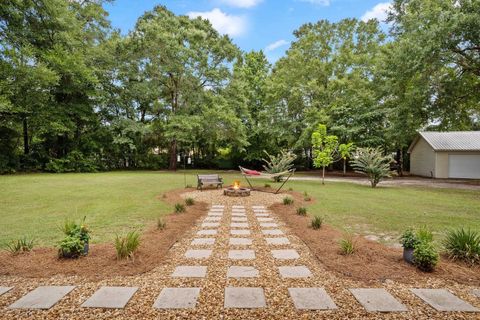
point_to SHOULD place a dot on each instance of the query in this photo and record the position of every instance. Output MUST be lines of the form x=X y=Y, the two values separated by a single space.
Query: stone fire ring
x=240 y=192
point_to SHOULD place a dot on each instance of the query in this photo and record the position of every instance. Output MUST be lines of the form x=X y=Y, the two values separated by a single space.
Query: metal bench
x=209 y=180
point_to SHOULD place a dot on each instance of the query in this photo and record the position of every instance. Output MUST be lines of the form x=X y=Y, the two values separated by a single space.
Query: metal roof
x=450 y=141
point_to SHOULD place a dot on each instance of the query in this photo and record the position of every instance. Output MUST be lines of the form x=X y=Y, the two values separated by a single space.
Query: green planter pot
x=408 y=255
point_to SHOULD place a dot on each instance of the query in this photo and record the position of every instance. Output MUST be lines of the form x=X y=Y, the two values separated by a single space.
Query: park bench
x=209 y=180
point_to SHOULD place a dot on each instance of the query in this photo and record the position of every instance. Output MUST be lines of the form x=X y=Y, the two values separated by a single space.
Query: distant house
x=446 y=155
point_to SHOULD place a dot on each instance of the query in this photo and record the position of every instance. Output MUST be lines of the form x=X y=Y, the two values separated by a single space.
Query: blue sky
x=253 y=24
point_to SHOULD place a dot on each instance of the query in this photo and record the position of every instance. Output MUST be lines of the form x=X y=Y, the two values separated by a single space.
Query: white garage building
x=446 y=155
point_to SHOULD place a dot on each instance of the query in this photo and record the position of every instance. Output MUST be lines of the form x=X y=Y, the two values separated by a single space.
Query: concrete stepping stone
x=239 y=225
x=273 y=232
x=210 y=224
x=216 y=211
x=207 y=232
x=43 y=297
x=240 y=232
x=268 y=225
x=214 y=214
x=258 y=207
x=238 y=207
x=238 y=210
x=264 y=219
x=245 y=298
x=377 y=300
x=242 y=272
x=294 y=272
x=5 y=290
x=443 y=300
x=239 y=219
x=221 y=206
x=212 y=219
x=189 y=272
x=198 y=254
x=240 y=242
x=311 y=299
x=262 y=215
x=260 y=211
x=177 y=298
x=286 y=254
x=241 y=254
x=110 y=297
x=277 y=241
x=203 y=241
x=239 y=214
x=475 y=292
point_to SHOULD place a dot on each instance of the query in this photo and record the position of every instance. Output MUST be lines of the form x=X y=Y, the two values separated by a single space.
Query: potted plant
x=409 y=240
x=70 y=247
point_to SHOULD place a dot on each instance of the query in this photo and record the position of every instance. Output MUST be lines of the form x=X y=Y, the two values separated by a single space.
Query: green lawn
x=37 y=204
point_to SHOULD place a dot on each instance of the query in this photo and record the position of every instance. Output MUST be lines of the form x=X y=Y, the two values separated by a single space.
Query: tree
x=345 y=150
x=372 y=163
x=279 y=163
x=324 y=148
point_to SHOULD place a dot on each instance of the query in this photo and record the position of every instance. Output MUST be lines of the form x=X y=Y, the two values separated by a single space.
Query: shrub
x=317 y=222
x=463 y=245
x=287 y=201
x=372 y=163
x=20 y=245
x=267 y=185
x=179 y=208
x=70 y=247
x=74 y=229
x=279 y=163
x=161 y=224
x=127 y=245
x=424 y=234
x=425 y=256
x=347 y=244
x=302 y=211
x=189 y=201
x=409 y=239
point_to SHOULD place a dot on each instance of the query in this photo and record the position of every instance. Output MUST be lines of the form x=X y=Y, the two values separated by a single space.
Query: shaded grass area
x=37 y=204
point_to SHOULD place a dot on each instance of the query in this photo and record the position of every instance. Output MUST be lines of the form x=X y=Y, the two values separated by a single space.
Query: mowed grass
x=37 y=204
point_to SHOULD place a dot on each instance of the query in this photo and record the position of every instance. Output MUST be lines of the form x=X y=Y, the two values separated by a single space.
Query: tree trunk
x=400 y=162
x=344 y=166
x=26 y=146
x=323 y=175
x=173 y=155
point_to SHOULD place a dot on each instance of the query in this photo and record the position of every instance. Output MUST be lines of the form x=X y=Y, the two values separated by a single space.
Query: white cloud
x=317 y=2
x=275 y=45
x=241 y=3
x=224 y=23
x=378 y=12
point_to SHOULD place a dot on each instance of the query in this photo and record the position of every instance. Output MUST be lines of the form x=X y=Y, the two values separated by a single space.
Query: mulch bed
x=373 y=261
x=101 y=262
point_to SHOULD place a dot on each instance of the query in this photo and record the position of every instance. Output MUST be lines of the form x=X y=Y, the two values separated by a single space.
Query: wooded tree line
x=76 y=95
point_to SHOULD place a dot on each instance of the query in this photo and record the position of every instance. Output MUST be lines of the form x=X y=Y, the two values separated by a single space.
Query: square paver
x=210 y=224
x=238 y=207
x=177 y=298
x=277 y=241
x=244 y=298
x=190 y=272
x=215 y=214
x=5 y=290
x=216 y=211
x=212 y=219
x=239 y=219
x=239 y=225
x=198 y=254
x=237 y=214
x=264 y=219
x=273 y=232
x=203 y=241
x=311 y=299
x=43 y=297
x=238 y=210
x=262 y=215
x=268 y=225
x=377 y=300
x=475 y=292
x=242 y=272
x=110 y=297
x=241 y=254
x=240 y=241
x=207 y=232
x=221 y=206
x=294 y=272
x=240 y=232
x=258 y=207
x=443 y=300
x=285 y=254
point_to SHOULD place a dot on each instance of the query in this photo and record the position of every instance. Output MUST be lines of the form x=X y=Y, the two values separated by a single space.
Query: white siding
x=422 y=159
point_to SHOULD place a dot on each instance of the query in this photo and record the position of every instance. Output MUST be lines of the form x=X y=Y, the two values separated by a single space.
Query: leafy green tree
x=372 y=163
x=279 y=163
x=345 y=150
x=324 y=148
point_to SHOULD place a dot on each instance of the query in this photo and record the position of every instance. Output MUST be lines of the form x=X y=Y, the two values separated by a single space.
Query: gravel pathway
x=240 y=262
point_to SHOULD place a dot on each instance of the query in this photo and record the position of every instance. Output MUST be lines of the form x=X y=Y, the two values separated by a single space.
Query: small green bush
x=287 y=201
x=302 y=211
x=424 y=234
x=425 y=256
x=127 y=245
x=463 y=245
x=76 y=229
x=347 y=244
x=70 y=247
x=317 y=222
x=20 y=245
x=161 y=224
x=409 y=239
x=179 y=208
x=189 y=201
x=267 y=185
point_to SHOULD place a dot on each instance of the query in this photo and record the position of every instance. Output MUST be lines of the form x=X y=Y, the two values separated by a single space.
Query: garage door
x=464 y=166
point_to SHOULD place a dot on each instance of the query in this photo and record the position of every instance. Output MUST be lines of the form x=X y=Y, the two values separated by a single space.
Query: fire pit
x=236 y=191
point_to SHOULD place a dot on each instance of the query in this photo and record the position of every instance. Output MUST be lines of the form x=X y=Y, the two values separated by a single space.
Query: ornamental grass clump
x=189 y=201
x=372 y=163
x=127 y=245
x=316 y=222
x=306 y=196
x=179 y=208
x=347 y=244
x=24 y=244
x=287 y=201
x=302 y=211
x=463 y=244
x=161 y=224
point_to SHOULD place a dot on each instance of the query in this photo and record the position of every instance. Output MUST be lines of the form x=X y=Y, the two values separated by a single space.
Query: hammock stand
x=266 y=175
